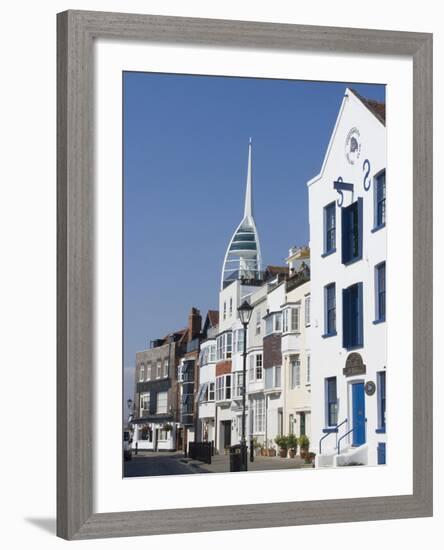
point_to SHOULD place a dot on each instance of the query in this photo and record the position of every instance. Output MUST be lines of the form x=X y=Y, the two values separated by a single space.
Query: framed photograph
x=244 y=275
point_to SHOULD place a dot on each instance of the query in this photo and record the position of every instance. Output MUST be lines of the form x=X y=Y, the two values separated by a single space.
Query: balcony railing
x=298 y=279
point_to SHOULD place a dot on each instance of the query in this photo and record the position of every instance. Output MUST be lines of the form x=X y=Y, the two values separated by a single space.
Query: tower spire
x=248 y=209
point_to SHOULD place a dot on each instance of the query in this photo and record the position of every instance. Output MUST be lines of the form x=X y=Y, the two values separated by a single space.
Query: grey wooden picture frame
x=76 y=32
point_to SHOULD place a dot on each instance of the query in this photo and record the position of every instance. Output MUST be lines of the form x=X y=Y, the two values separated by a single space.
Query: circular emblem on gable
x=353 y=145
x=370 y=387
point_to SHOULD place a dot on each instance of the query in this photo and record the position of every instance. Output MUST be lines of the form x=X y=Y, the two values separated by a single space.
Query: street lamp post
x=245 y=310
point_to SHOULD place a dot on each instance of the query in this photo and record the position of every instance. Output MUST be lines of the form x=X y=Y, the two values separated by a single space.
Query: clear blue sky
x=185 y=161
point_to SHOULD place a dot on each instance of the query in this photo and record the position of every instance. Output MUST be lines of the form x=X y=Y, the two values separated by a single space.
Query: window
x=224 y=346
x=381 y=401
x=255 y=367
x=330 y=309
x=259 y=366
x=162 y=402
x=211 y=391
x=330 y=228
x=141 y=373
x=144 y=404
x=295 y=371
x=145 y=433
x=273 y=323
x=148 y=371
x=162 y=435
x=238 y=384
x=165 y=368
x=220 y=382
x=202 y=394
x=259 y=414
x=380 y=292
x=269 y=378
x=331 y=401
x=231 y=307
x=251 y=368
x=294 y=327
x=269 y=325
x=352 y=316
x=307 y=310
x=212 y=353
x=291 y=424
x=158 y=369
x=272 y=377
x=239 y=341
x=229 y=344
x=223 y=387
x=380 y=200
x=352 y=232
x=225 y=310
x=277 y=372
x=290 y=320
x=308 y=370
x=258 y=322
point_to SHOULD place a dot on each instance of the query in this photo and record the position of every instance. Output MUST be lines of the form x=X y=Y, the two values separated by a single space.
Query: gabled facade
x=348 y=254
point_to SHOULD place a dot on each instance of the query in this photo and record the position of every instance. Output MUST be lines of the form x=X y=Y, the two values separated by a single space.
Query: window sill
x=380 y=431
x=377 y=228
x=352 y=261
x=329 y=253
x=330 y=430
x=352 y=348
x=378 y=321
x=329 y=334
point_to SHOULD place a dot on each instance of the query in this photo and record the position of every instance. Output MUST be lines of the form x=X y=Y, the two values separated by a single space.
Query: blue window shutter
x=360 y=224
x=345 y=233
x=360 y=315
x=345 y=317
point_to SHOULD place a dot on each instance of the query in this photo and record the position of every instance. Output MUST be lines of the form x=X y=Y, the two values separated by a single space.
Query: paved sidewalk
x=221 y=463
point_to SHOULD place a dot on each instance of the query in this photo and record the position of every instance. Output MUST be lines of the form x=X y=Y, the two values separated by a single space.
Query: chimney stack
x=194 y=323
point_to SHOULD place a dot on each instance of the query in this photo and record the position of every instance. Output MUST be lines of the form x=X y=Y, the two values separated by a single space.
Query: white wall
x=327 y=354
x=28 y=178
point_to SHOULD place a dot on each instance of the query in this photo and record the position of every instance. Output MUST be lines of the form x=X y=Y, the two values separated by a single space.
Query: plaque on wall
x=354 y=365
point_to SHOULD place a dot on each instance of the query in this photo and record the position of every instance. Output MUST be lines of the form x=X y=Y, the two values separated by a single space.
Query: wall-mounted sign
x=353 y=145
x=354 y=365
x=370 y=387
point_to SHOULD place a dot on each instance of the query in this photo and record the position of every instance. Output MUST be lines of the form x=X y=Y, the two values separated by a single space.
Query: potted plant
x=304 y=444
x=309 y=458
x=167 y=427
x=292 y=441
x=257 y=447
x=271 y=451
x=282 y=442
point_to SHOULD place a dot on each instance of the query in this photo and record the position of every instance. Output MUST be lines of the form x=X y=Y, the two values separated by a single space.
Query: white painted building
x=207 y=377
x=348 y=254
x=296 y=354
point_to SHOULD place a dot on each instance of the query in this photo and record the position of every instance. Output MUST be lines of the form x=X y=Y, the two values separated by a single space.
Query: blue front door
x=358 y=412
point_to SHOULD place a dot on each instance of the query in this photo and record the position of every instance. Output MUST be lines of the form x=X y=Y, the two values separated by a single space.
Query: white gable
x=352 y=141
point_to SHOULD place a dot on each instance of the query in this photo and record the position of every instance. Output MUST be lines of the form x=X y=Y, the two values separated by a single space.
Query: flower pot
x=271 y=452
x=291 y=453
x=283 y=453
x=304 y=453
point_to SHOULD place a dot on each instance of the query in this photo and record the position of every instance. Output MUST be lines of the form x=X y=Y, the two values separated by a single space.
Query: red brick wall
x=272 y=350
x=223 y=367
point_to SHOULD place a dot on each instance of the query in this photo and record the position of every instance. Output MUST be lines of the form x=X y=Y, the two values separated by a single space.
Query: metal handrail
x=346 y=434
x=333 y=431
